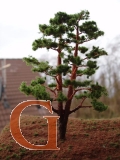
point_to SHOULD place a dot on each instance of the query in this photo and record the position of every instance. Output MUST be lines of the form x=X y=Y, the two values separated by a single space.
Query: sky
x=19 y=20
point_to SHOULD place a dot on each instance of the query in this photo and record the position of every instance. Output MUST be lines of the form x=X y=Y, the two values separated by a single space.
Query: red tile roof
x=15 y=74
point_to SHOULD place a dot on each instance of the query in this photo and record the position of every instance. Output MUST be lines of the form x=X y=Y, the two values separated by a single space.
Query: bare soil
x=86 y=140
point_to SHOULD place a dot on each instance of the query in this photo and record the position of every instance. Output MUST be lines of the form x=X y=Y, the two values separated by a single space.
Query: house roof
x=15 y=74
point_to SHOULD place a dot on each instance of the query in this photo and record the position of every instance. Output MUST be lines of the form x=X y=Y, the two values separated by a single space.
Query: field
x=86 y=140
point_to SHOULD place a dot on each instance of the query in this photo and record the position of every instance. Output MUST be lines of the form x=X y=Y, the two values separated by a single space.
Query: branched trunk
x=64 y=114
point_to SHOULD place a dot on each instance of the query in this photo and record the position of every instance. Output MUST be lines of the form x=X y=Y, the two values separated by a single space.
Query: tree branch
x=47 y=73
x=82 y=66
x=84 y=59
x=57 y=81
x=80 y=106
x=55 y=110
x=79 y=89
x=72 y=95
x=93 y=57
x=51 y=90
x=79 y=74
x=87 y=40
x=54 y=49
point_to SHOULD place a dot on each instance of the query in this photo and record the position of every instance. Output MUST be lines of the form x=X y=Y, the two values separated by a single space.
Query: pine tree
x=66 y=34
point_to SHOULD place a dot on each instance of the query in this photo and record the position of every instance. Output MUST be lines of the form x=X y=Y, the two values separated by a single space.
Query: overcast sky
x=19 y=20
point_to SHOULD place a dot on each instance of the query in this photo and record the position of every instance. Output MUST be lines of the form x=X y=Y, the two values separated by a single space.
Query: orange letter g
x=52 y=126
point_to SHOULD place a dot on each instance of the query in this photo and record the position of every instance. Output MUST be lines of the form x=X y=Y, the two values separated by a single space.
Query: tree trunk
x=62 y=126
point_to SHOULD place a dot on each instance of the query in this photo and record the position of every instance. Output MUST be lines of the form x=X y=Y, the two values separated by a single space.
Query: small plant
x=3 y=145
x=8 y=147
x=44 y=125
x=118 y=134
x=14 y=155
x=42 y=140
x=22 y=150
x=12 y=141
x=8 y=158
x=33 y=122
x=54 y=156
x=86 y=134
x=87 y=128
x=35 y=152
x=93 y=127
x=102 y=129
x=116 y=145
x=70 y=147
x=36 y=134
x=74 y=135
x=109 y=158
x=71 y=122
x=41 y=152
x=94 y=123
x=114 y=122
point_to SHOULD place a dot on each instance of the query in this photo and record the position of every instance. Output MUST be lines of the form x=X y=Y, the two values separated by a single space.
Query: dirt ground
x=86 y=140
